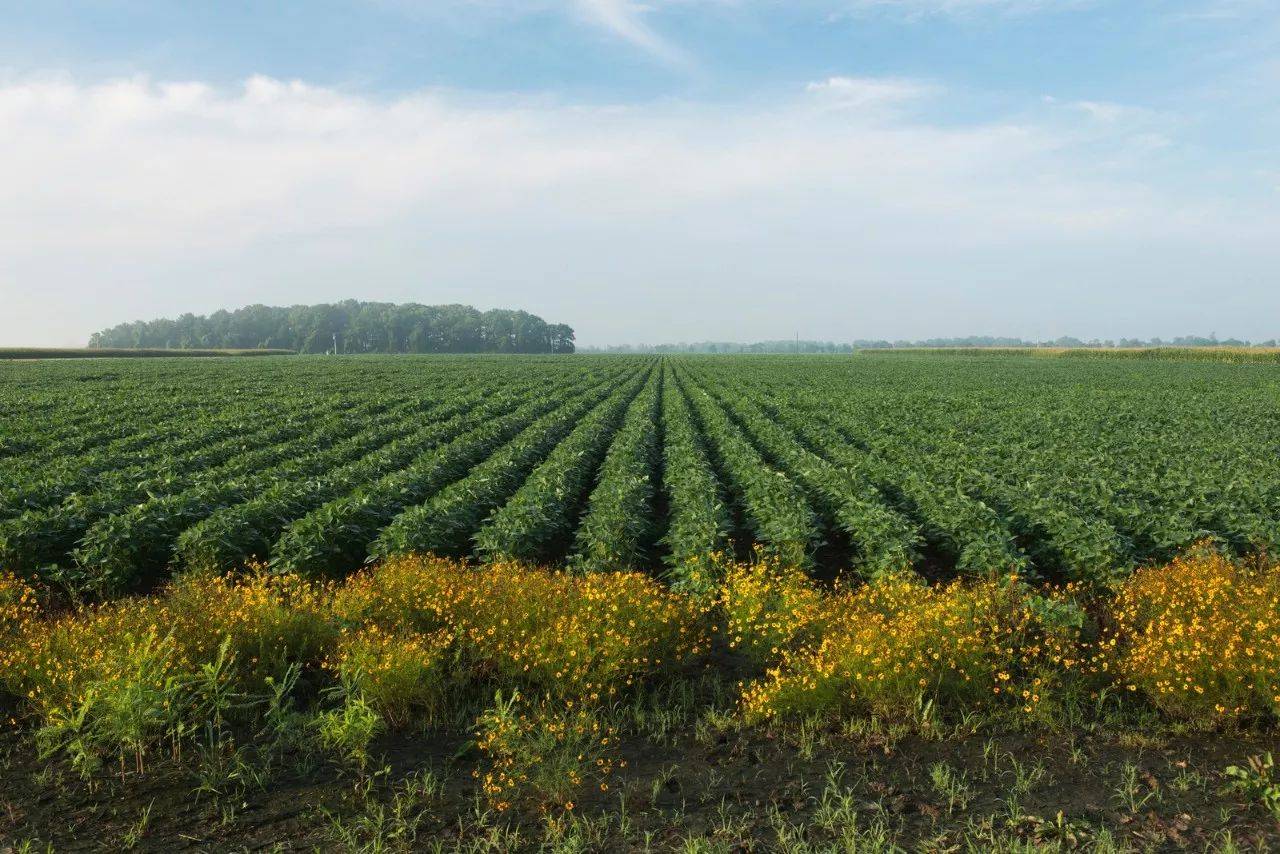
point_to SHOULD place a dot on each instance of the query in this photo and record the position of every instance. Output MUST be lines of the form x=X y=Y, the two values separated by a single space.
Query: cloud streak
x=625 y=19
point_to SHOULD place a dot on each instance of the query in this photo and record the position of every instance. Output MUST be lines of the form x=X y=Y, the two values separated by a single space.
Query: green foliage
x=347 y=731
x=699 y=526
x=224 y=539
x=336 y=536
x=777 y=511
x=886 y=539
x=354 y=327
x=113 y=473
x=1259 y=781
x=145 y=701
x=444 y=525
x=542 y=512
x=618 y=523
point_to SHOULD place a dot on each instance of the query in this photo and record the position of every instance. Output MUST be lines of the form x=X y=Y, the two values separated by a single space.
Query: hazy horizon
x=979 y=339
x=658 y=172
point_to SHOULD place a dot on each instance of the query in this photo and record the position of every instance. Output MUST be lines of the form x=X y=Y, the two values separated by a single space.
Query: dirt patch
x=719 y=785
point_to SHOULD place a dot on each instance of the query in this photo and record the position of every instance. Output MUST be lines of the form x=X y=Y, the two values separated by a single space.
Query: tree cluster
x=349 y=327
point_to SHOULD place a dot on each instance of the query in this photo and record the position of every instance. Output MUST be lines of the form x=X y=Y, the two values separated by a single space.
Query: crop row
x=445 y=524
x=699 y=524
x=114 y=413
x=327 y=527
x=1070 y=469
x=231 y=499
x=1002 y=465
x=125 y=530
x=141 y=541
x=539 y=518
x=776 y=510
x=618 y=526
x=884 y=539
x=173 y=461
x=230 y=535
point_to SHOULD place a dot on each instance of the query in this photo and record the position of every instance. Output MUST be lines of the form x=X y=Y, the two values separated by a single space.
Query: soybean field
x=114 y=474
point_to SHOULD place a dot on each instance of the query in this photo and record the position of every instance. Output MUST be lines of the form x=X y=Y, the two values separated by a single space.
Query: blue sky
x=649 y=171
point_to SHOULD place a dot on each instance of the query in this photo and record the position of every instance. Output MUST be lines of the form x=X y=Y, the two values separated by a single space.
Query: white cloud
x=1102 y=111
x=1129 y=130
x=870 y=91
x=129 y=198
x=131 y=162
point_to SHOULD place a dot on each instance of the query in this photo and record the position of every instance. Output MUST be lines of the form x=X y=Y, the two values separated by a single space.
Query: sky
x=656 y=171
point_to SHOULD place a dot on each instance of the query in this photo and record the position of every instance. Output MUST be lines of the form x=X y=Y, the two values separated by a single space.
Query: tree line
x=350 y=326
x=800 y=346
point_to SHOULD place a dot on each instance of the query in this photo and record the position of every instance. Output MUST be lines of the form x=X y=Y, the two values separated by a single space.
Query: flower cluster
x=770 y=608
x=130 y=674
x=401 y=675
x=271 y=620
x=571 y=636
x=19 y=611
x=885 y=647
x=1199 y=637
x=404 y=641
x=544 y=750
x=60 y=661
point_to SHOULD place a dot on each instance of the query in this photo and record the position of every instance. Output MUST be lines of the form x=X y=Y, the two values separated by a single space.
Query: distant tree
x=561 y=338
x=357 y=327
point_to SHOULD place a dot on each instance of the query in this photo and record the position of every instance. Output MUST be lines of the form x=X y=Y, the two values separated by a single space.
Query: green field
x=635 y=603
x=1068 y=469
